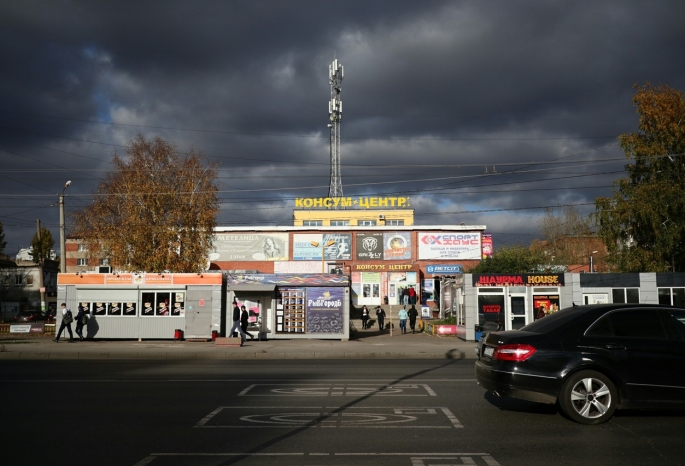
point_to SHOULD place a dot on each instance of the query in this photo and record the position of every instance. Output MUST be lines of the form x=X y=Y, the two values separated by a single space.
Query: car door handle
x=615 y=347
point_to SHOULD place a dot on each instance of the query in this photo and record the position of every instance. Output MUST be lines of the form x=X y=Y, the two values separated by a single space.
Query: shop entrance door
x=198 y=314
x=517 y=316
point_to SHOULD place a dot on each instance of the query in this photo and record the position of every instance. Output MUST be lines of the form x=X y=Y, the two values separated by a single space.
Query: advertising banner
x=524 y=279
x=396 y=246
x=487 y=246
x=250 y=247
x=324 y=310
x=369 y=246
x=335 y=246
x=444 y=269
x=449 y=245
x=304 y=249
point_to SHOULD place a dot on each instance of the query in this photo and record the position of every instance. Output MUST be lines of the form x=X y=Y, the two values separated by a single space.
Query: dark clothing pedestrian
x=405 y=297
x=412 y=295
x=413 y=314
x=365 y=317
x=244 y=317
x=380 y=316
x=80 y=321
x=236 y=324
x=67 y=318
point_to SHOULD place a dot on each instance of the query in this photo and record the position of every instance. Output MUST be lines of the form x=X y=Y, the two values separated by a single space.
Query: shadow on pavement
x=519 y=406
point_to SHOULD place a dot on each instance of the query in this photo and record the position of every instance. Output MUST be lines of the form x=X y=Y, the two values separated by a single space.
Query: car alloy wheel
x=588 y=397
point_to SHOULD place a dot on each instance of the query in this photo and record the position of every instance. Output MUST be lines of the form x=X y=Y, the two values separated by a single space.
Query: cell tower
x=335 y=77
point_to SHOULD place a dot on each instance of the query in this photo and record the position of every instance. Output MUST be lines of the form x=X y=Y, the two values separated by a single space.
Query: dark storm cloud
x=453 y=103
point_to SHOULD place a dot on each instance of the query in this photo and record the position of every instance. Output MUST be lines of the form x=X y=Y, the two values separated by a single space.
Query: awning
x=250 y=287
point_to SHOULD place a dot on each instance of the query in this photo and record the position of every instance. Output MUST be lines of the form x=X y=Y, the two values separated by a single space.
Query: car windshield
x=553 y=321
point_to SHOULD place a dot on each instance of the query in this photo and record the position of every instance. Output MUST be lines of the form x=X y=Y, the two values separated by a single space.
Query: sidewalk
x=363 y=344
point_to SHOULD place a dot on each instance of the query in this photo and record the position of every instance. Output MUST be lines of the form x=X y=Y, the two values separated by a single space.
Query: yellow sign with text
x=352 y=202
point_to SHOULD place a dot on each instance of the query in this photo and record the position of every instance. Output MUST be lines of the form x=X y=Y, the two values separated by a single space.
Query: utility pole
x=41 y=284
x=62 y=243
x=335 y=77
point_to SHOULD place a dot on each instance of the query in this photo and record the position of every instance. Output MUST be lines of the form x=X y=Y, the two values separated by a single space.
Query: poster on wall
x=369 y=246
x=487 y=246
x=297 y=267
x=397 y=246
x=335 y=246
x=341 y=249
x=250 y=247
x=449 y=245
x=325 y=310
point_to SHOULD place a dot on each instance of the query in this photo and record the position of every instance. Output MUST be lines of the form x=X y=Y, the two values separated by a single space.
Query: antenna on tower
x=335 y=77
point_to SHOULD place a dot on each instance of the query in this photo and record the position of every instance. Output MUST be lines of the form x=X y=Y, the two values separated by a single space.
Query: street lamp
x=62 y=247
x=592 y=268
x=316 y=244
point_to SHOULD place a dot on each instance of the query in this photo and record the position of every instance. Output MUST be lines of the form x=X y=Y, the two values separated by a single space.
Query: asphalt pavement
x=369 y=343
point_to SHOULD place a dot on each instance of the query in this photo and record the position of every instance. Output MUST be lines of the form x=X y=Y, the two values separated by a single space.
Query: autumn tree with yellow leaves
x=155 y=211
x=643 y=223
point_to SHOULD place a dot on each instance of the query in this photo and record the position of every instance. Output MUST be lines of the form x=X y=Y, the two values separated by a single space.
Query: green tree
x=643 y=223
x=3 y=243
x=40 y=250
x=512 y=259
x=155 y=211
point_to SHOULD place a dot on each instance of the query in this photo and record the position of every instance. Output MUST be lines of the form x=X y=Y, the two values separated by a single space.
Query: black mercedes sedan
x=591 y=360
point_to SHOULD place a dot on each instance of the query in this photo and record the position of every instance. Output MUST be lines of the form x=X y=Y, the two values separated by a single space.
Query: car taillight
x=513 y=352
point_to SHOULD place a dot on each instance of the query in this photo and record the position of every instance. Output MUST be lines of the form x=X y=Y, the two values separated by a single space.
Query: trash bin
x=178 y=334
x=214 y=335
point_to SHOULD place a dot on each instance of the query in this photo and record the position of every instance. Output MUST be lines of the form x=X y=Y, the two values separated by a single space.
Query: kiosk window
x=162 y=304
x=129 y=309
x=114 y=309
x=148 y=303
x=99 y=309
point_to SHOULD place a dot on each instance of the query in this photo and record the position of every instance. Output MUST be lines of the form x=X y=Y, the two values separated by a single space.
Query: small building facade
x=515 y=300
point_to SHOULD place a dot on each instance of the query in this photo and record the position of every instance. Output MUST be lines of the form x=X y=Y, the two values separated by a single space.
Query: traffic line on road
x=319 y=389
x=413 y=459
x=400 y=417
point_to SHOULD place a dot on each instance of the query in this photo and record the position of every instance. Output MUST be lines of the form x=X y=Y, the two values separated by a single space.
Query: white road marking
x=332 y=416
x=415 y=459
x=305 y=389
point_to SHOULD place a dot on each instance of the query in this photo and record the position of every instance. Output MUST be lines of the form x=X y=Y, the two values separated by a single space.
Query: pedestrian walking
x=412 y=295
x=81 y=320
x=365 y=317
x=413 y=314
x=67 y=318
x=403 y=319
x=244 y=317
x=405 y=296
x=380 y=317
x=236 y=323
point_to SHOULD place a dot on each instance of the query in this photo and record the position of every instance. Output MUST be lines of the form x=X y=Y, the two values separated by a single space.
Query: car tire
x=588 y=397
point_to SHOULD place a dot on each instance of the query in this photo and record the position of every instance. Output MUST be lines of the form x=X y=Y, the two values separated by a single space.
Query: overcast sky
x=482 y=112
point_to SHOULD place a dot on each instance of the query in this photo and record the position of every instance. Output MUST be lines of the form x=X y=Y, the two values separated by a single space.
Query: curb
x=237 y=355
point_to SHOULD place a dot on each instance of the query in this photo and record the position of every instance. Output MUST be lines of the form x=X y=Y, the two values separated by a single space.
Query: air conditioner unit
x=104 y=269
x=381 y=217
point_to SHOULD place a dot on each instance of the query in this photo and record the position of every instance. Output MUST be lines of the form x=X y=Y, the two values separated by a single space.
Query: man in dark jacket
x=244 y=317
x=413 y=314
x=380 y=317
x=236 y=323
x=65 y=324
x=80 y=321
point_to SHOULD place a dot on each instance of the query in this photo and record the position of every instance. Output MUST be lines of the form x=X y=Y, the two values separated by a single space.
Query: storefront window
x=130 y=309
x=148 y=304
x=491 y=309
x=86 y=307
x=162 y=304
x=114 y=309
x=672 y=296
x=545 y=304
x=625 y=295
x=178 y=308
